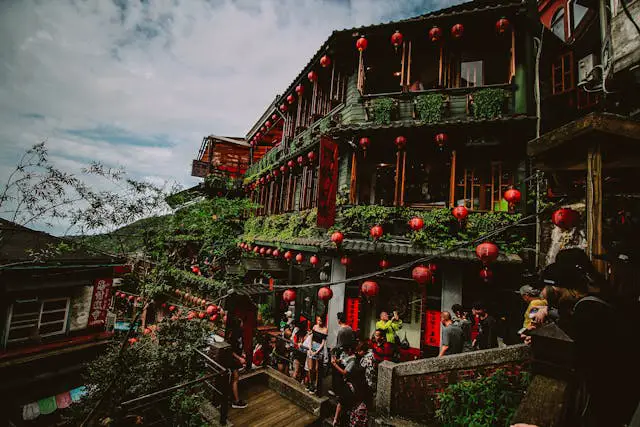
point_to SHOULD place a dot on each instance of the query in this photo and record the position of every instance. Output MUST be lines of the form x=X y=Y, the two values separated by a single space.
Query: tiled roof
x=251 y=290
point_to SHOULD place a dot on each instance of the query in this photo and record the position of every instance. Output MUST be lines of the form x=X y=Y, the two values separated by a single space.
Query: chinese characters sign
x=100 y=301
x=328 y=183
x=432 y=328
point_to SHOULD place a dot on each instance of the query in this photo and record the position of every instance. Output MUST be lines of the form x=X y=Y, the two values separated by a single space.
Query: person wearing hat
x=531 y=296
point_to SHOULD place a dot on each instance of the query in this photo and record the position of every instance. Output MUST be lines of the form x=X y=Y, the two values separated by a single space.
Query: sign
x=353 y=312
x=100 y=302
x=199 y=169
x=432 y=328
x=328 y=183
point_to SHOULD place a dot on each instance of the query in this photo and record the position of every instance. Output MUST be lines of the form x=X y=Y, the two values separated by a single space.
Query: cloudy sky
x=139 y=83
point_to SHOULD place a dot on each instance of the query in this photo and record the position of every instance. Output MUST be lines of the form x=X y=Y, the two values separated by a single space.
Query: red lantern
x=457 y=31
x=401 y=142
x=384 y=264
x=214 y=318
x=283 y=108
x=291 y=164
x=325 y=61
x=275 y=253
x=274 y=117
x=311 y=156
x=565 y=218
x=312 y=76
x=289 y=295
x=361 y=44
x=314 y=260
x=263 y=251
x=164 y=305
x=131 y=298
x=441 y=139
x=132 y=341
x=123 y=295
x=262 y=129
x=210 y=310
x=299 y=258
x=201 y=315
x=269 y=251
x=191 y=315
x=275 y=173
x=288 y=255
x=369 y=288
x=345 y=260
x=178 y=292
x=172 y=307
x=512 y=196
x=486 y=275
x=396 y=39
x=299 y=90
x=291 y=99
x=300 y=160
x=460 y=213
x=435 y=34
x=433 y=268
x=139 y=299
x=146 y=331
x=283 y=169
x=416 y=223
x=487 y=252
x=268 y=124
x=256 y=249
x=325 y=293
x=376 y=232
x=337 y=237
x=421 y=274
x=364 y=143
x=503 y=25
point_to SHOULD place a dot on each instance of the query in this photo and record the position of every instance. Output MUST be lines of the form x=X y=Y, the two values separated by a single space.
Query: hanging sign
x=328 y=183
x=100 y=302
x=432 y=328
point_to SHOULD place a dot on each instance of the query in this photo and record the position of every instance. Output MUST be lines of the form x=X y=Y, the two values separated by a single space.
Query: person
x=347 y=390
x=238 y=361
x=344 y=338
x=531 y=296
x=368 y=363
x=416 y=86
x=389 y=326
x=299 y=351
x=382 y=350
x=461 y=319
x=360 y=390
x=487 y=336
x=452 y=336
x=316 y=353
x=281 y=351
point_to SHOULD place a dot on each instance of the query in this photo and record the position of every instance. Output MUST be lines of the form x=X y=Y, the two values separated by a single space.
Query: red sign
x=432 y=328
x=100 y=301
x=328 y=183
x=353 y=311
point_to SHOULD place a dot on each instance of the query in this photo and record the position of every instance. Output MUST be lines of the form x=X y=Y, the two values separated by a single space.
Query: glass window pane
x=557 y=24
x=471 y=73
x=54 y=305
x=52 y=317
x=26 y=307
x=51 y=328
x=578 y=13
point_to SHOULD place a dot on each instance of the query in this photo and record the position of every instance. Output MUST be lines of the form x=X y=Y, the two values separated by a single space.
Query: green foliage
x=382 y=110
x=487 y=401
x=489 y=103
x=361 y=218
x=265 y=311
x=155 y=362
x=218 y=183
x=185 y=408
x=430 y=107
x=283 y=227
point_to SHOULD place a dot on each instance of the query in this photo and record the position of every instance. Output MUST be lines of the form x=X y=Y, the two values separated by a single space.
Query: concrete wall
x=80 y=305
x=336 y=304
x=410 y=389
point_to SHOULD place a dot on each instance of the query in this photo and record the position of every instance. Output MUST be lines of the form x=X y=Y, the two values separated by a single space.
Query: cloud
x=139 y=83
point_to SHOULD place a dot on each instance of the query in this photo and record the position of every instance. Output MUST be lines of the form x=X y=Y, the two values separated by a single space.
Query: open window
x=427 y=177
x=383 y=67
x=562 y=73
x=481 y=185
x=376 y=174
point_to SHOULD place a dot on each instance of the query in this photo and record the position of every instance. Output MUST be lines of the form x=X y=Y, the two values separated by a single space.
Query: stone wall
x=409 y=389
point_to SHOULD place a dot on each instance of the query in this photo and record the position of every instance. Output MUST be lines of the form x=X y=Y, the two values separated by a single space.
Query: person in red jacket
x=382 y=350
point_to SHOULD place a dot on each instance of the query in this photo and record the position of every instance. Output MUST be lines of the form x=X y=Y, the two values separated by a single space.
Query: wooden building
x=54 y=302
x=221 y=155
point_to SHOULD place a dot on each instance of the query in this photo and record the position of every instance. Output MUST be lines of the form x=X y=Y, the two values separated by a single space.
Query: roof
x=231 y=140
x=250 y=290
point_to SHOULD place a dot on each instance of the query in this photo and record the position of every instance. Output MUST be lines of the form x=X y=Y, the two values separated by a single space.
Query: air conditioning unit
x=585 y=67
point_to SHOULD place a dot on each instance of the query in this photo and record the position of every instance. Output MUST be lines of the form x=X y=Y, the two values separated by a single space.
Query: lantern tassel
x=361 y=76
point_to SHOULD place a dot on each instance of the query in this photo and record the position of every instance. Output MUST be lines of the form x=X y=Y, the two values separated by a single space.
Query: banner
x=328 y=183
x=432 y=328
x=100 y=302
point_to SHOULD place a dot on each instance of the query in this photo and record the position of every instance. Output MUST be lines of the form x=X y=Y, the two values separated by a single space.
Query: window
x=309 y=189
x=557 y=24
x=562 y=73
x=482 y=188
x=578 y=12
x=37 y=318
x=471 y=74
x=427 y=179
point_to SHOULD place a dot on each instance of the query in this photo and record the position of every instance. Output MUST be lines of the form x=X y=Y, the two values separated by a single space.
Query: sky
x=138 y=84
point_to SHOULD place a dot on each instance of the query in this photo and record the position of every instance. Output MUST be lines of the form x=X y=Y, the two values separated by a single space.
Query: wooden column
x=396 y=193
x=452 y=180
x=353 y=185
x=404 y=167
x=594 y=205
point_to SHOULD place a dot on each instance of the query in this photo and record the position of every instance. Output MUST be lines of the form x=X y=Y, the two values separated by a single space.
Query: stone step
x=295 y=392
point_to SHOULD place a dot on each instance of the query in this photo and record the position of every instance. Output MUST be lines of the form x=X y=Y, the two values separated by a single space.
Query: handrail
x=162 y=392
x=450 y=90
x=210 y=360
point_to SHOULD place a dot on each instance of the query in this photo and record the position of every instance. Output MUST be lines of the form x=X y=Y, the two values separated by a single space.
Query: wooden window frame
x=39 y=323
x=495 y=188
x=560 y=60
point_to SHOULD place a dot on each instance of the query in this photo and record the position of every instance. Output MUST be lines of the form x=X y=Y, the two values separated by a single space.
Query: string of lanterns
x=308 y=159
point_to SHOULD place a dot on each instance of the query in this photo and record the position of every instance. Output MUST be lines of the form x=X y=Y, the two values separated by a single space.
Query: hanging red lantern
x=369 y=288
x=300 y=160
x=457 y=31
x=288 y=255
x=376 y=232
x=435 y=34
x=267 y=124
x=311 y=156
x=289 y=295
x=433 y=268
x=364 y=143
x=214 y=318
x=283 y=169
x=300 y=90
x=195 y=269
x=361 y=44
x=210 y=310
x=178 y=292
x=201 y=315
x=314 y=260
x=256 y=249
x=396 y=39
x=416 y=223
x=337 y=237
x=565 y=218
x=261 y=180
x=274 y=117
x=164 y=305
x=345 y=260
x=299 y=258
x=263 y=251
x=269 y=251
x=172 y=307
x=325 y=61
x=123 y=295
x=275 y=173
x=146 y=331
x=512 y=196
x=191 y=315
x=421 y=274
x=441 y=139
x=401 y=142
x=283 y=108
x=262 y=129
x=132 y=341
x=291 y=164
x=487 y=252
x=325 y=293
x=131 y=298
x=503 y=25
x=486 y=274
x=460 y=213
x=384 y=264
x=291 y=99
x=275 y=253
x=312 y=76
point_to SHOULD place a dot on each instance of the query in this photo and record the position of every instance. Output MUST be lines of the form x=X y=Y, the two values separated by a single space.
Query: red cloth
x=382 y=352
x=409 y=354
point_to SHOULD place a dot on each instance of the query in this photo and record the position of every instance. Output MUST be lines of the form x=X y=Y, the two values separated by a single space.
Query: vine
x=430 y=107
x=283 y=227
x=489 y=103
x=382 y=110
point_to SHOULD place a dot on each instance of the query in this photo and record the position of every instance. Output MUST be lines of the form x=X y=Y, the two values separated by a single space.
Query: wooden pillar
x=594 y=205
x=404 y=167
x=396 y=193
x=353 y=187
x=452 y=180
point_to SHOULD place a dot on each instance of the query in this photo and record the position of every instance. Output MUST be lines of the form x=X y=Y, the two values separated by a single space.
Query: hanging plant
x=382 y=110
x=430 y=107
x=489 y=103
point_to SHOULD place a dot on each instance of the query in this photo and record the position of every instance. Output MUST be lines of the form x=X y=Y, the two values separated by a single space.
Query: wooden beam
x=452 y=180
x=594 y=205
x=440 y=68
x=404 y=167
x=353 y=197
x=396 y=193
